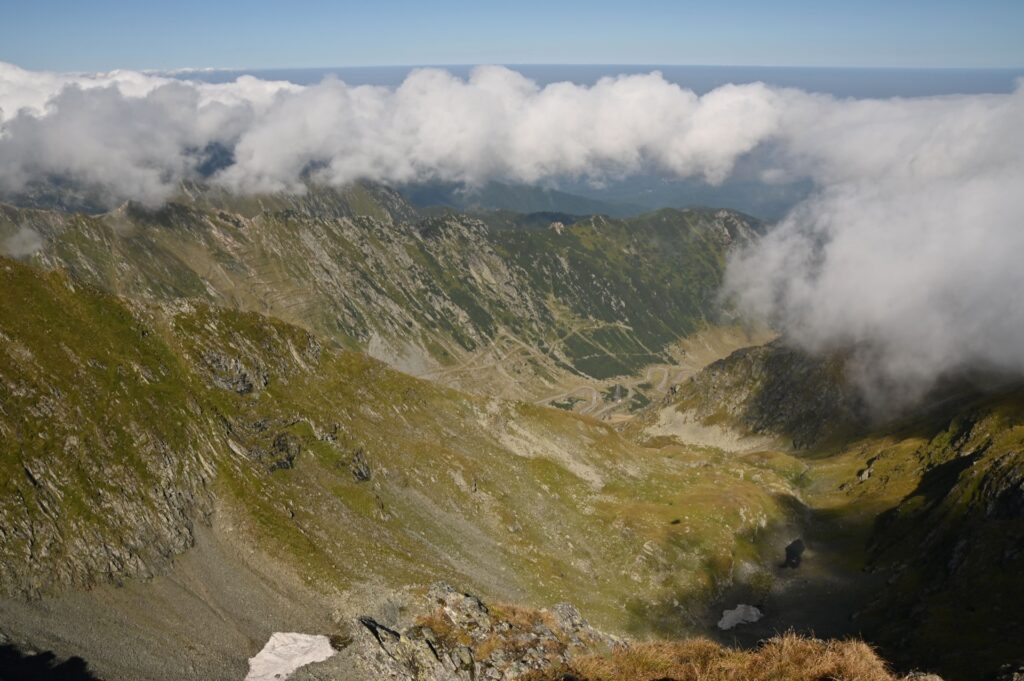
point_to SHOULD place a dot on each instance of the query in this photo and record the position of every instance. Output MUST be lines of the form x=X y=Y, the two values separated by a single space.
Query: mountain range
x=232 y=416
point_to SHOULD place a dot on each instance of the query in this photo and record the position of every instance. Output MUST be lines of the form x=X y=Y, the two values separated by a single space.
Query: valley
x=234 y=416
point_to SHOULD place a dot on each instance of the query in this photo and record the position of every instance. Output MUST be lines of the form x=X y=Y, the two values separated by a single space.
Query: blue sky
x=105 y=34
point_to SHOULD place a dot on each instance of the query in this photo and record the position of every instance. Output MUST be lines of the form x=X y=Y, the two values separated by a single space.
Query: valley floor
x=619 y=400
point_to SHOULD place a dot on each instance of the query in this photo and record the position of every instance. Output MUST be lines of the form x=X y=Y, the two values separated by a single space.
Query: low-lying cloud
x=22 y=243
x=138 y=136
x=908 y=250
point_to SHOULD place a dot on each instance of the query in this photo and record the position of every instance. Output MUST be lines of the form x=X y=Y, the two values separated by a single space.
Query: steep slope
x=500 y=310
x=130 y=429
x=763 y=396
x=647 y=281
x=933 y=502
x=921 y=517
x=952 y=549
x=102 y=438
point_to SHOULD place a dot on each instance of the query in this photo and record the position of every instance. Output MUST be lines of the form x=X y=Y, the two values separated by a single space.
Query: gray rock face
x=794 y=554
x=461 y=639
x=230 y=373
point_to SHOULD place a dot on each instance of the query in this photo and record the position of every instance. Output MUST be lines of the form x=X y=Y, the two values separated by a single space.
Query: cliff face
x=427 y=294
x=106 y=454
x=952 y=549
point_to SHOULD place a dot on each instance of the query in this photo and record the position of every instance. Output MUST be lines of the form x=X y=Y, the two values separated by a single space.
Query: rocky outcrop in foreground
x=460 y=638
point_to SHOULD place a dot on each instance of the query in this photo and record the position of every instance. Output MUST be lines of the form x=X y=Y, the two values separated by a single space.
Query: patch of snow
x=741 y=614
x=284 y=653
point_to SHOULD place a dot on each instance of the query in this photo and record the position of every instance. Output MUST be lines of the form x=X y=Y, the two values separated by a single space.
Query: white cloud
x=21 y=243
x=32 y=90
x=138 y=135
x=908 y=249
x=126 y=134
x=498 y=124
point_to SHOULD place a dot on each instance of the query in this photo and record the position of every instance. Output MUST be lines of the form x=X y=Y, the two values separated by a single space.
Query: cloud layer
x=909 y=249
x=137 y=136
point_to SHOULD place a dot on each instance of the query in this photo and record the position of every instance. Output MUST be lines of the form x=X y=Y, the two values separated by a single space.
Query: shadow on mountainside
x=927 y=572
x=817 y=598
x=16 y=665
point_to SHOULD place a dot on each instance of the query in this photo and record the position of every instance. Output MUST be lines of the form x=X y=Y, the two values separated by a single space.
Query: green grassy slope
x=646 y=281
x=361 y=268
x=125 y=424
x=105 y=451
x=953 y=547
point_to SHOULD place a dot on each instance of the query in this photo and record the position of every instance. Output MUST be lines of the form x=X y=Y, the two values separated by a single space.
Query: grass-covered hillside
x=128 y=426
x=203 y=400
x=475 y=305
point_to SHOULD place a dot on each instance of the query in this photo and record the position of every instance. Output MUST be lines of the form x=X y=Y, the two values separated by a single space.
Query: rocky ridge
x=774 y=392
x=493 y=307
x=459 y=638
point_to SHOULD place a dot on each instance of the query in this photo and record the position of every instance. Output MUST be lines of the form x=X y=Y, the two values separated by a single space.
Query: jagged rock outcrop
x=459 y=638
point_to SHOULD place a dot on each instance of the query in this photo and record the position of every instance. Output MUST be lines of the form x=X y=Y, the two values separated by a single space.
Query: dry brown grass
x=444 y=629
x=514 y=630
x=519 y=617
x=783 y=658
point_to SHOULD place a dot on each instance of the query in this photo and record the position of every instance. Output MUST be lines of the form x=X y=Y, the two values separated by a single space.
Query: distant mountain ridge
x=598 y=296
x=497 y=196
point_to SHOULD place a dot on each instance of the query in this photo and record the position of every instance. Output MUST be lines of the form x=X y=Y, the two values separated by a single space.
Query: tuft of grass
x=447 y=633
x=514 y=630
x=784 y=658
